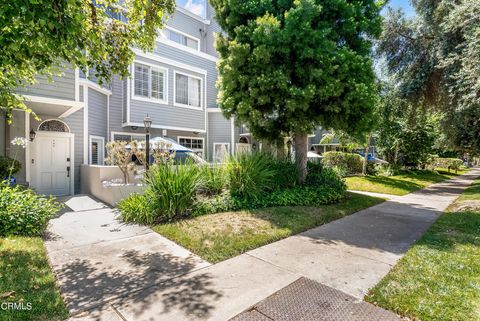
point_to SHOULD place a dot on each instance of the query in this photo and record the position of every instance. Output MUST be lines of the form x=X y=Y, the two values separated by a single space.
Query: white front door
x=51 y=165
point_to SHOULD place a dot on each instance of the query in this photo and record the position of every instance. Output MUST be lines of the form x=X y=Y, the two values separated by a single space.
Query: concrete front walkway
x=351 y=255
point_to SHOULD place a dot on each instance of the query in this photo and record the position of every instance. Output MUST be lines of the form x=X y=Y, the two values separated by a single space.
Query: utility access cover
x=307 y=300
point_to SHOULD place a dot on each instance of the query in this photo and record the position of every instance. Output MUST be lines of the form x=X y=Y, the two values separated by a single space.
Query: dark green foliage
x=318 y=175
x=8 y=166
x=286 y=67
x=296 y=196
x=286 y=173
x=433 y=60
x=23 y=212
x=351 y=163
x=251 y=175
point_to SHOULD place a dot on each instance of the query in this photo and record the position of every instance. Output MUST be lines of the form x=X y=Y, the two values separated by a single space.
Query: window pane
x=194 y=92
x=192 y=43
x=181 y=89
x=123 y=138
x=141 y=80
x=174 y=36
x=157 y=84
x=94 y=153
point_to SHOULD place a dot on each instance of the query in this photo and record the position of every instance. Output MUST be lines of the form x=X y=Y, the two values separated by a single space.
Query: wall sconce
x=32 y=135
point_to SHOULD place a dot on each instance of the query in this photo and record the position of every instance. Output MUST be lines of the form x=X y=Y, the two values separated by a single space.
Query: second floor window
x=188 y=90
x=181 y=39
x=149 y=82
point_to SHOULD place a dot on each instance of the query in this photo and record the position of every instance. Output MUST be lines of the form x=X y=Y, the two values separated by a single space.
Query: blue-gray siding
x=219 y=131
x=193 y=60
x=168 y=115
x=97 y=113
x=62 y=87
x=116 y=106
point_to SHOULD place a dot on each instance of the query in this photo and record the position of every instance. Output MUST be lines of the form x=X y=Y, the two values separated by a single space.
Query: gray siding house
x=174 y=85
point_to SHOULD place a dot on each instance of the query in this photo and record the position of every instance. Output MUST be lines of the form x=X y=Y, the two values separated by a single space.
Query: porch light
x=147 y=121
x=32 y=135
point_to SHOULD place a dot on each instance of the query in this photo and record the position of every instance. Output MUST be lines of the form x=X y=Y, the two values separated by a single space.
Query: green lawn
x=398 y=184
x=217 y=237
x=25 y=276
x=439 y=278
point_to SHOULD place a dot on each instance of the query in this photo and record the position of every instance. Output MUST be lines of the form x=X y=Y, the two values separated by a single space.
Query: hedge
x=351 y=163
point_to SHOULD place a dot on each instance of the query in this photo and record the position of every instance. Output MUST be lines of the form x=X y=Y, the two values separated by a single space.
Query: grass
x=25 y=276
x=217 y=237
x=401 y=184
x=439 y=278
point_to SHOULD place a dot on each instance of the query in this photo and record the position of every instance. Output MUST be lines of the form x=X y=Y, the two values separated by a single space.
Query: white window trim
x=112 y=134
x=191 y=137
x=163 y=101
x=164 y=37
x=90 y=141
x=202 y=90
x=220 y=143
x=167 y=61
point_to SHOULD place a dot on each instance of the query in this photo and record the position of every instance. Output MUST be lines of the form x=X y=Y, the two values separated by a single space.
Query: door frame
x=33 y=155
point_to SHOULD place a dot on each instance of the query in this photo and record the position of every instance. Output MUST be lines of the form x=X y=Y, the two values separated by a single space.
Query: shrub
x=286 y=173
x=319 y=176
x=138 y=208
x=173 y=189
x=297 y=196
x=251 y=175
x=214 y=179
x=8 y=164
x=23 y=212
x=351 y=163
x=214 y=204
x=449 y=163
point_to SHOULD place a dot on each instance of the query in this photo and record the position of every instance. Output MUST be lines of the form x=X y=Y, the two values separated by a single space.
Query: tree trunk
x=365 y=159
x=301 y=149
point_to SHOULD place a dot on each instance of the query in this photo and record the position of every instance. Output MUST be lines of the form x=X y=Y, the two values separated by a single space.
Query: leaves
x=290 y=66
x=37 y=36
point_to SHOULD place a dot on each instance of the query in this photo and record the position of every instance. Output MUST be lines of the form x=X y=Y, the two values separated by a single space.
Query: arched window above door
x=53 y=125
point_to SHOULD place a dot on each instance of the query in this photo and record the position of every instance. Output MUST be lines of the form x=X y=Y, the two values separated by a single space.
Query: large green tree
x=36 y=36
x=434 y=58
x=287 y=66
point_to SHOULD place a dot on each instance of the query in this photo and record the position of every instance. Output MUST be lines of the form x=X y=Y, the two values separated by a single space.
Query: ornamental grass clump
x=170 y=194
x=251 y=175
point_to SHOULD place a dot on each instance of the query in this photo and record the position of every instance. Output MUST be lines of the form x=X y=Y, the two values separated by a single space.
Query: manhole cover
x=307 y=300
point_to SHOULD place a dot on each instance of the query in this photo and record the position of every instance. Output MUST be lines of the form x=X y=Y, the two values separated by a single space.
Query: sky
x=195 y=6
x=403 y=4
x=198 y=6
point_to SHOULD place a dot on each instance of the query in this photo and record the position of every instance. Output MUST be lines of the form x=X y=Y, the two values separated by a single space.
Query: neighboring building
x=174 y=85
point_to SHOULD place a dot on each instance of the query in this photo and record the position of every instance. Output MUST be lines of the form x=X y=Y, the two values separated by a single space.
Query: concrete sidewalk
x=351 y=255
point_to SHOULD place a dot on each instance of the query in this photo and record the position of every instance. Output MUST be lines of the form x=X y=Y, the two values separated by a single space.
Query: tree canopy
x=288 y=66
x=435 y=60
x=39 y=35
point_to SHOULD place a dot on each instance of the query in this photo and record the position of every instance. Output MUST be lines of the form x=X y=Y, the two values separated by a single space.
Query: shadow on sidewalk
x=86 y=287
